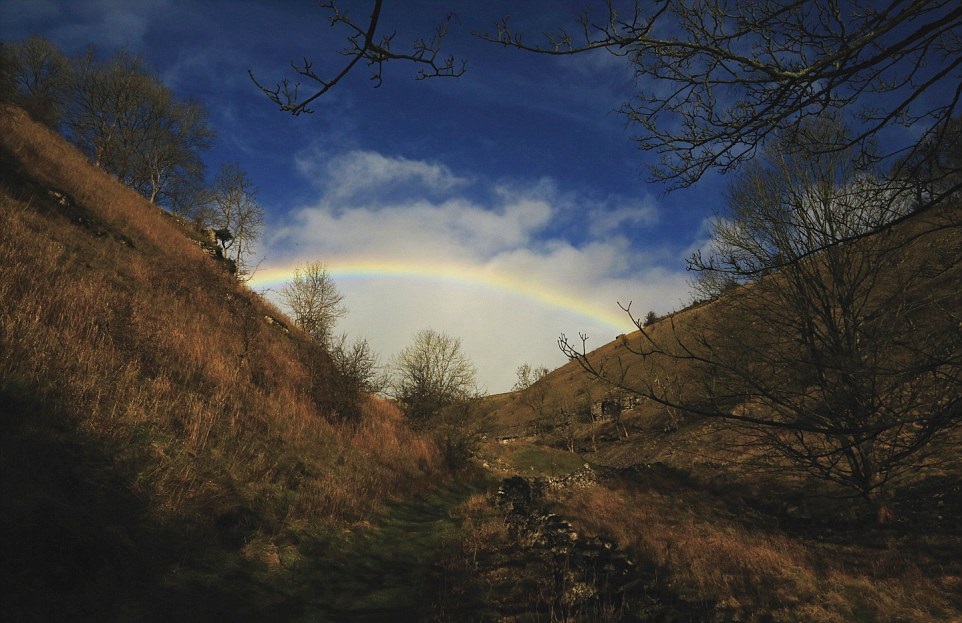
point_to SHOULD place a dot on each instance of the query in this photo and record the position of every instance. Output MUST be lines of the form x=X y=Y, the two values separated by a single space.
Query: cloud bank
x=505 y=265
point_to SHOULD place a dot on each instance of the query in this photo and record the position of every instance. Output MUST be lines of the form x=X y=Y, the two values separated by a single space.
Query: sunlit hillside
x=929 y=246
x=693 y=498
x=167 y=440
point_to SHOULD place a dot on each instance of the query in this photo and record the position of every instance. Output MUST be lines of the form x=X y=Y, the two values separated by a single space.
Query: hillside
x=927 y=248
x=168 y=451
x=171 y=451
x=692 y=497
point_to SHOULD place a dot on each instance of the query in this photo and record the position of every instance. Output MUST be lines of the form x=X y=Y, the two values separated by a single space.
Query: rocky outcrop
x=274 y=322
x=579 y=576
x=208 y=240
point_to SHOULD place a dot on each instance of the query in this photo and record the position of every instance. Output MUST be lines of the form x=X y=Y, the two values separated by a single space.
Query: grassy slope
x=757 y=544
x=166 y=456
x=166 y=452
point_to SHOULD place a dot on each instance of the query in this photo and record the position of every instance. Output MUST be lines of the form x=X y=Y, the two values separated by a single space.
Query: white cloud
x=487 y=262
x=606 y=221
x=419 y=230
x=361 y=173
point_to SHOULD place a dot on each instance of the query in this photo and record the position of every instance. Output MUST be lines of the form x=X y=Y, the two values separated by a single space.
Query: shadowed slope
x=168 y=447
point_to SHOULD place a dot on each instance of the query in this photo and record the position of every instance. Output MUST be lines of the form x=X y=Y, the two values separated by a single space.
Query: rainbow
x=606 y=313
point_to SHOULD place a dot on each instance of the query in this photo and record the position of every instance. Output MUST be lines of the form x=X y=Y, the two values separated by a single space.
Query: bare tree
x=99 y=113
x=935 y=169
x=316 y=303
x=342 y=372
x=357 y=362
x=233 y=211
x=366 y=43
x=843 y=359
x=794 y=204
x=355 y=375
x=528 y=376
x=168 y=160
x=130 y=125
x=39 y=74
x=533 y=392
x=431 y=375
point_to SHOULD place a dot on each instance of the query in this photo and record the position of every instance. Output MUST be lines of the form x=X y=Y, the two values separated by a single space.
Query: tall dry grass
x=110 y=313
x=753 y=570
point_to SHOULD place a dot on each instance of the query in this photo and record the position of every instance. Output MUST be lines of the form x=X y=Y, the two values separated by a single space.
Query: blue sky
x=504 y=208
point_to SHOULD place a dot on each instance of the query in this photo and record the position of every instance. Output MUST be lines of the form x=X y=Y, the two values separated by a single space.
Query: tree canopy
x=127 y=121
x=316 y=303
x=432 y=374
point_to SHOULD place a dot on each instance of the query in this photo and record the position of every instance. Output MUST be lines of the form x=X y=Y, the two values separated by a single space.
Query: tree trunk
x=878 y=499
x=883 y=511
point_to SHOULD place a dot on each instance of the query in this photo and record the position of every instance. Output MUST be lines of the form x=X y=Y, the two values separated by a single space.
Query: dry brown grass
x=734 y=524
x=111 y=313
x=752 y=570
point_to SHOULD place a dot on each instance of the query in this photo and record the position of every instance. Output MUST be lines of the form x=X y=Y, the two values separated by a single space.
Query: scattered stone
x=271 y=320
x=590 y=574
x=61 y=198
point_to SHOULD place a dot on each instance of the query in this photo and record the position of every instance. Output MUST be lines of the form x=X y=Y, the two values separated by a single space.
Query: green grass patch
x=535 y=460
x=387 y=570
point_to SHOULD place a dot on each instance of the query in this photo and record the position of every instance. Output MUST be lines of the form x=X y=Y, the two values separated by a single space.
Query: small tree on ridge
x=314 y=300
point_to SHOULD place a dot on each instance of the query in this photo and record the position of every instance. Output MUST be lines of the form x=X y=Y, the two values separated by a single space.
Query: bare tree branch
x=717 y=78
x=363 y=44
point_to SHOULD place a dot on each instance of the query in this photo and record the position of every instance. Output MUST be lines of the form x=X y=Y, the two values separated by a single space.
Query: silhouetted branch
x=364 y=44
x=717 y=78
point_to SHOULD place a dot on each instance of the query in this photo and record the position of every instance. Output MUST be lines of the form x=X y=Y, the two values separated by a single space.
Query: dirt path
x=389 y=571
